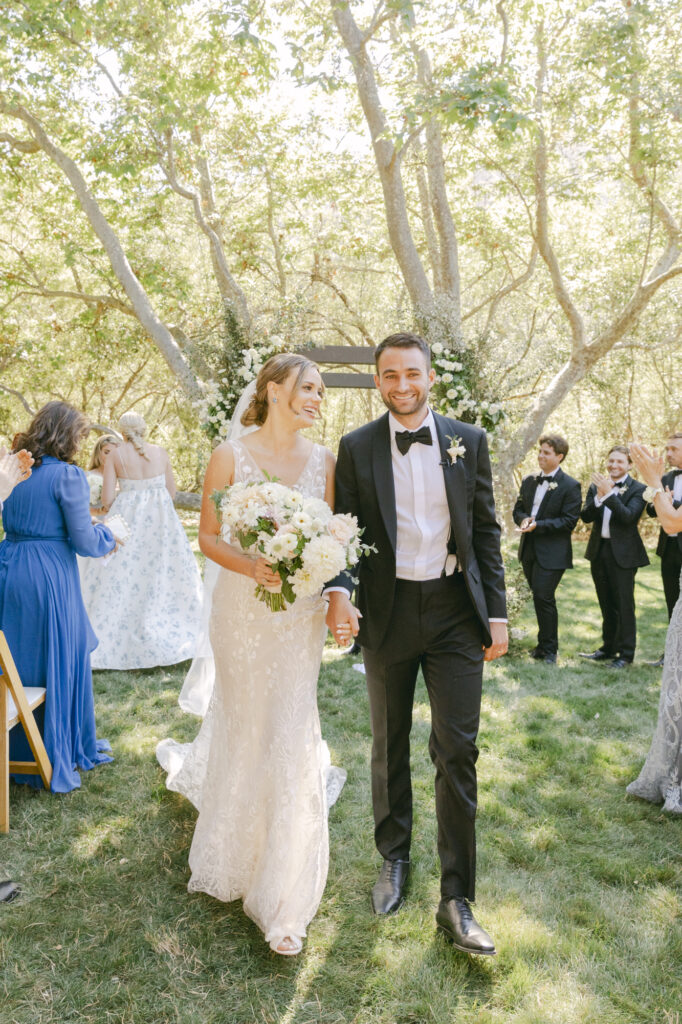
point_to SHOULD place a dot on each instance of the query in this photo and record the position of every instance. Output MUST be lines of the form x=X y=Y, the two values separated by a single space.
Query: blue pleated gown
x=47 y=523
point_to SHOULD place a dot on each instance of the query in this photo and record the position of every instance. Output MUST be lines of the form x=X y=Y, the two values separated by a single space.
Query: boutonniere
x=622 y=488
x=456 y=449
x=552 y=486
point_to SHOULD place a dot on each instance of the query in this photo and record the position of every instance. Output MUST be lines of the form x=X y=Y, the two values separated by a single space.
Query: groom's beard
x=407 y=409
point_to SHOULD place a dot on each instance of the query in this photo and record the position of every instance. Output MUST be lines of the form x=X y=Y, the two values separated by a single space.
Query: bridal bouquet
x=304 y=542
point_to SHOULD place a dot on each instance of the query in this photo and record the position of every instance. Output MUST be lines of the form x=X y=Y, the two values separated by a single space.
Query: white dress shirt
x=422 y=511
x=540 y=492
x=606 y=520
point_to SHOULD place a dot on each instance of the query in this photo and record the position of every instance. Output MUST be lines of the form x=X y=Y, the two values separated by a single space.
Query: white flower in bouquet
x=324 y=557
x=282 y=546
x=343 y=528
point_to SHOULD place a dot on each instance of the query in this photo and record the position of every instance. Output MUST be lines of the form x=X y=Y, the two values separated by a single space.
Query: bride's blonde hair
x=134 y=428
x=276 y=369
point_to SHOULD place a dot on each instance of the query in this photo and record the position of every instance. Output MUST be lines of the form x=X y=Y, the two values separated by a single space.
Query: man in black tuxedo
x=669 y=548
x=432 y=596
x=614 y=505
x=546 y=511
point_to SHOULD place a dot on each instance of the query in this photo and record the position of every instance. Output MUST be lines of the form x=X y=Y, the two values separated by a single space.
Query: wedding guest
x=95 y=471
x=47 y=523
x=546 y=511
x=144 y=605
x=669 y=548
x=615 y=550
x=660 y=779
x=14 y=467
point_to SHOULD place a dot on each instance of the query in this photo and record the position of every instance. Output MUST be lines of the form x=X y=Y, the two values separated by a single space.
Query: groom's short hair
x=403 y=340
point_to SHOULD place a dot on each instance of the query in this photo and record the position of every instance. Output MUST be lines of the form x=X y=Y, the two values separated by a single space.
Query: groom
x=432 y=596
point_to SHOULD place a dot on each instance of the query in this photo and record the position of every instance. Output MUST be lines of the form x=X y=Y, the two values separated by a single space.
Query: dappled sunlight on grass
x=578 y=884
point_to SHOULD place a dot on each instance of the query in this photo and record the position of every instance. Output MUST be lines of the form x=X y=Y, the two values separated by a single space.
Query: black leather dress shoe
x=596 y=656
x=536 y=654
x=458 y=924
x=656 y=664
x=388 y=893
x=8 y=891
x=620 y=663
x=549 y=659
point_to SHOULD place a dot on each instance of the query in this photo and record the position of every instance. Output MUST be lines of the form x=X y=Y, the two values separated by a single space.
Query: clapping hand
x=649 y=463
x=603 y=483
x=14 y=467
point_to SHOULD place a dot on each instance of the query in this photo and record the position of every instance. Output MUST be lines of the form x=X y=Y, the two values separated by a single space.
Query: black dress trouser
x=432 y=625
x=615 y=588
x=671 y=565
x=543 y=584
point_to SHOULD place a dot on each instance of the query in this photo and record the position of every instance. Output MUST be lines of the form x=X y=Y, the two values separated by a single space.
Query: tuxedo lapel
x=382 y=468
x=454 y=475
x=558 y=476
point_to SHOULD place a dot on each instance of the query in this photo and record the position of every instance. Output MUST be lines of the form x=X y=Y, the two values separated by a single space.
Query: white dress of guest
x=145 y=603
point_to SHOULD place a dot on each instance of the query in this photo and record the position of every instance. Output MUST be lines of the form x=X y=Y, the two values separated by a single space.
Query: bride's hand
x=264 y=575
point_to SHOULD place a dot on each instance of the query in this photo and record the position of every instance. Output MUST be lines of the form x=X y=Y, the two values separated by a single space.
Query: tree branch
x=388 y=165
x=542 y=209
x=18 y=394
x=119 y=262
x=229 y=289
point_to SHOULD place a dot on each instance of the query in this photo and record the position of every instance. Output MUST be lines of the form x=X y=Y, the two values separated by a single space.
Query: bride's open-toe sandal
x=290 y=945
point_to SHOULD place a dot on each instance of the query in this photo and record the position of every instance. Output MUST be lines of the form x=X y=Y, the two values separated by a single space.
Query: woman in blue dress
x=47 y=523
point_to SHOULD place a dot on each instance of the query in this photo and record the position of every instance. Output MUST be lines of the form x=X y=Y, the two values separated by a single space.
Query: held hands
x=500 y=641
x=343 y=618
x=604 y=484
x=528 y=525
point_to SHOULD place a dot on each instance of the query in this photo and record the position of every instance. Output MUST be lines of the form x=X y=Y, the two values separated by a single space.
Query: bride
x=256 y=771
x=660 y=779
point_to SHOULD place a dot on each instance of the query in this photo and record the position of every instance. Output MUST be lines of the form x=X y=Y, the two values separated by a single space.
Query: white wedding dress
x=145 y=603
x=660 y=779
x=258 y=771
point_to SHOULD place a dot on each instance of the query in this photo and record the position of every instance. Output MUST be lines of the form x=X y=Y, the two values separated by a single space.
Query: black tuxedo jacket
x=626 y=508
x=668 y=480
x=556 y=517
x=365 y=488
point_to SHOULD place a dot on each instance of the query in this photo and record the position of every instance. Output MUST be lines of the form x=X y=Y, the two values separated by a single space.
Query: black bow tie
x=405 y=438
x=676 y=472
x=544 y=479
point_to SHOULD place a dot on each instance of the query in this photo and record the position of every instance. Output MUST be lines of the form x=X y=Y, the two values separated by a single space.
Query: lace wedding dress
x=660 y=778
x=258 y=771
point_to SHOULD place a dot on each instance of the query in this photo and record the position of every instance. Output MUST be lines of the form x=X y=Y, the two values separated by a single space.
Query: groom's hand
x=343 y=618
x=500 y=641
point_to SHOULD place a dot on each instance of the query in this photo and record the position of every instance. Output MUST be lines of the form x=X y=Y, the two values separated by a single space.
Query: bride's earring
x=274 y=399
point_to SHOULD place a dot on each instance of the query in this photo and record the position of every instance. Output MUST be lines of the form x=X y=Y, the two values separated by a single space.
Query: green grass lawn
x=579 y=885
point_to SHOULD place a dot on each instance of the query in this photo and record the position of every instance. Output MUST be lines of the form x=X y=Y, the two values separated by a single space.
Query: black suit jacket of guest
x=626 y=508
x=668 y=480
x=556 y=517
x=365 y=488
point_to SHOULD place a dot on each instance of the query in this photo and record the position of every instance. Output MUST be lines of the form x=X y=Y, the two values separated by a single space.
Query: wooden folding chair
x=17 y=704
